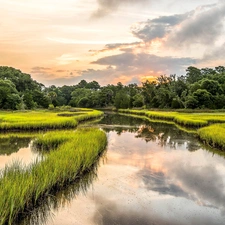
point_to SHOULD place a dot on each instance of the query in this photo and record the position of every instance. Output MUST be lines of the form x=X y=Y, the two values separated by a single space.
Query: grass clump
x=36 y=120
x=21 y=187
x=213 y=135
x=196 y=120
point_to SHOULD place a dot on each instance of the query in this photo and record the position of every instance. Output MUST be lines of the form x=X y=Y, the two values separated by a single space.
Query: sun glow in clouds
x=134 y=38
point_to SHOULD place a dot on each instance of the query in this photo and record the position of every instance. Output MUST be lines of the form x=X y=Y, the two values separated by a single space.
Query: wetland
x=150 y=173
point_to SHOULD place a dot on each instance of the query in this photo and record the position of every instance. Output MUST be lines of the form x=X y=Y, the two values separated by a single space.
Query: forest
x=197 y=89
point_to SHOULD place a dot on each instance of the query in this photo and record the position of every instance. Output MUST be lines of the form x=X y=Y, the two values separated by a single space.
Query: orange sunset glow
x=63 y=42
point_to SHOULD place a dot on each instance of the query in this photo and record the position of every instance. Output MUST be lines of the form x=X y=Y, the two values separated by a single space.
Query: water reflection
x=9 y=145
x=165 y=186
x=14 y=148
x=43 y=211
x=168 y=135
x=109 y=212
x=162 y=133
x=154 y=174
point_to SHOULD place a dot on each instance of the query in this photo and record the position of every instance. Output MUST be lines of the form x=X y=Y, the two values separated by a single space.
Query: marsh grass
x=22 y=186
x=70 y=114
x=210 y=133
x=213 y=135
x=36 y=120
x=195 y=120
x=59 y=198
x=185 y=129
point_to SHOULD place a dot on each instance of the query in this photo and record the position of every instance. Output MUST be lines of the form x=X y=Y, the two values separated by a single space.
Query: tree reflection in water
x=147 y=133
x=9 y=145
x=163 y=133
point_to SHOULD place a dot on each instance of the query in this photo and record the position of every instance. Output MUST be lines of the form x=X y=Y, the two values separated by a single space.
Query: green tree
x=28 y=100
x=204 y=98
x=138 y=100
x=211 y=86
x=122 y=100
x=106 y=96
x=78 y=94
x=193 y=74
x=94 y=85
x=8 y=92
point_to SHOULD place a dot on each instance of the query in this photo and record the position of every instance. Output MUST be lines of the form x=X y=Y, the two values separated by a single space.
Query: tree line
x=197 y=89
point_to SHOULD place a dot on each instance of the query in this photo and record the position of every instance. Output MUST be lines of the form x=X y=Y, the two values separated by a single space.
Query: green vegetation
x=183 y=119
x=75 y=152
x=213 y=135
x=185 y=129
x=197 y=89
x=34 y=120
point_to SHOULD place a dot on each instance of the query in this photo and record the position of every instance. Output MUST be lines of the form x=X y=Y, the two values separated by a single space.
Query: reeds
x=21 y=187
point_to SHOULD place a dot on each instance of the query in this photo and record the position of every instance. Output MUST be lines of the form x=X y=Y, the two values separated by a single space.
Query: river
x=151 y=174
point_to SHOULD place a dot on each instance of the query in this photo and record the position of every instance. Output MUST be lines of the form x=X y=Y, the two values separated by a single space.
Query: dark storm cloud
x=108 y=6
x=157 y=28
x=202 y=28
x=142 y=62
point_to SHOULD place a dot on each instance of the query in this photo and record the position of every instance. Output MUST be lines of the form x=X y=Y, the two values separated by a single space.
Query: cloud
x=114 y=212
x=115 y=46
x=159 y=182
x=157 y=28
x=130 y=63
x=108 y=6
x=49 y=76
x=201 y=184
x=39 y=69
x=202 y=27
x=204 y=182
x=61 y=71
x=110 y=212
x=214 y=54
x=129 y=68
x=65 y=59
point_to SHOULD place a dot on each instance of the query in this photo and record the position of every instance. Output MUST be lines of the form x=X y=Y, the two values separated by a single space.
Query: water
x=151 y=173
x=16 y=149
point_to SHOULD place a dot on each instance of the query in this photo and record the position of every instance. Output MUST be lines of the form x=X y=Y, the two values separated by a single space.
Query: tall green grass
x=213 y=135
x=196 y=120
x=21 y=186
x=59 y=198
x=36 y=120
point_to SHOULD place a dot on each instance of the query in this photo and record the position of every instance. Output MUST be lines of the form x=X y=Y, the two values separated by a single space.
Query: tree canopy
x=197 y=89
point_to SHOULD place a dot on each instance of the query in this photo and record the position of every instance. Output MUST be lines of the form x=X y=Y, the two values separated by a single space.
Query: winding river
x=151 y=174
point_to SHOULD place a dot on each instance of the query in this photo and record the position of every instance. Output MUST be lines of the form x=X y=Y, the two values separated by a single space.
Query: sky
x=62 y=42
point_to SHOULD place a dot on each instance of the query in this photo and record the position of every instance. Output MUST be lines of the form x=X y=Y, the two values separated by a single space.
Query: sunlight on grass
x=75 y=152
x=35 y=120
